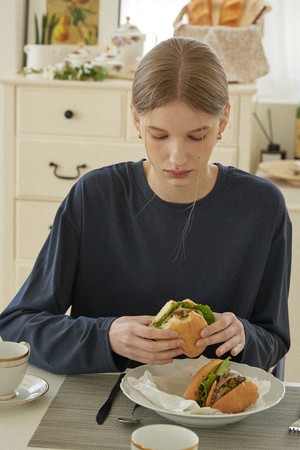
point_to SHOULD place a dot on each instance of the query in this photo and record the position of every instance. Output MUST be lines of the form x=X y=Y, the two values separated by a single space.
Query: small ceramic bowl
x=164 y=437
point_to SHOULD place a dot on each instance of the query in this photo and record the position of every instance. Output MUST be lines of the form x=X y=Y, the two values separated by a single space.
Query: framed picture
x=91 y=22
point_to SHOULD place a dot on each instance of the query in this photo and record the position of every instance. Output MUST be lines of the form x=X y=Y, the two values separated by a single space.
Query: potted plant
x=43 y=33
x=43 y=53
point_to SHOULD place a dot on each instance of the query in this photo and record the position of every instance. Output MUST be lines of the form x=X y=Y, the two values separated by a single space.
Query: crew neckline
x=140 y=181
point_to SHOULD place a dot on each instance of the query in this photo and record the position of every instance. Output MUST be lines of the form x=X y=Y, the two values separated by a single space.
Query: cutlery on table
x=130 y=419
x=295 y=426
x=105 y=408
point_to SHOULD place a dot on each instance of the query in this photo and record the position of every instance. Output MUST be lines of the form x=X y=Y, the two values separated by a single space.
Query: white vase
x=43 y=55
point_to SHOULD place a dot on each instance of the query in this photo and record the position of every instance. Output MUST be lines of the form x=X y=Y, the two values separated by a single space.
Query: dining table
x=64 y=417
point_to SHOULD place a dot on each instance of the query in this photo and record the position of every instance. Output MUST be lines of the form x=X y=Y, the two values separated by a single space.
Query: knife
x=105 y=408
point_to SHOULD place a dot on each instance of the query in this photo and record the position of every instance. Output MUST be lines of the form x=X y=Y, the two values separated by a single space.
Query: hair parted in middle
x=182 y=69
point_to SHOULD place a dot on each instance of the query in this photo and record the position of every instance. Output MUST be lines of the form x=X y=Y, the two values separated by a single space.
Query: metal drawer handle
x=63 y=177
x=69 y=114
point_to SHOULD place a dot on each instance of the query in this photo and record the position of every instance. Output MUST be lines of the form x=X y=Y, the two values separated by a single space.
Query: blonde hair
x=182 y=69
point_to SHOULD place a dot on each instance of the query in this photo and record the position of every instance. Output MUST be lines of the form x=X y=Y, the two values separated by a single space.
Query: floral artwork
x=76 y=21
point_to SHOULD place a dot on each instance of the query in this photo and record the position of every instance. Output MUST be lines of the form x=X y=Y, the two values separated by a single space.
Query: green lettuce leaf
x=224 y=367
x=207 y=313
x=204 y=309
x=165 y=316
x=206 y=385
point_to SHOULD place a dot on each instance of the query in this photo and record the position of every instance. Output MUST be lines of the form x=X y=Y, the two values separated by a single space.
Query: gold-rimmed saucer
x=31 y=388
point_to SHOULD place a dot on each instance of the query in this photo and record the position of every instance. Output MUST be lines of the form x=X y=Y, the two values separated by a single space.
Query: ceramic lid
x=129 y=30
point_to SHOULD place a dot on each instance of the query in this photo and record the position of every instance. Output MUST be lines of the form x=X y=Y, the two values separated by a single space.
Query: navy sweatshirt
x=117 y=249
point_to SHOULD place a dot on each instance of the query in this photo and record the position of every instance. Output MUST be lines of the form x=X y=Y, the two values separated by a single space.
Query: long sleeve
x=267 y=332
x=59 y=342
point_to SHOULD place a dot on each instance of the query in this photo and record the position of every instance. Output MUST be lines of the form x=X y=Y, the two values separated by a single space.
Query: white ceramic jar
x=129 y=41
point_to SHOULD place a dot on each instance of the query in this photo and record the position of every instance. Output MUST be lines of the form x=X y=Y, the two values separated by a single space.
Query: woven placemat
x=70 y=421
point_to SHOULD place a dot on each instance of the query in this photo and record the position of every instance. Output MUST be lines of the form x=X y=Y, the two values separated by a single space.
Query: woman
x=132 y=236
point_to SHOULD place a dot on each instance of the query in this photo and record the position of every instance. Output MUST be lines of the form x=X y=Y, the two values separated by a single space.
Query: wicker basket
x=239 y=48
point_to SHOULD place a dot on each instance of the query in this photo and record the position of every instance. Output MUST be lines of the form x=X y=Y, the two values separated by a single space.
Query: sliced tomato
x=211 y=393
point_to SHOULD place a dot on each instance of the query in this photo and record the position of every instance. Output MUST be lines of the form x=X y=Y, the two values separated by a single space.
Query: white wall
x=12 y=32
x=12 y=35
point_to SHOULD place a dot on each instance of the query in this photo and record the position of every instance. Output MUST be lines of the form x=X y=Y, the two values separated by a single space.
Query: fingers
x=152 y=346
x=228 y=330
x=130 y=337
x=151 y=352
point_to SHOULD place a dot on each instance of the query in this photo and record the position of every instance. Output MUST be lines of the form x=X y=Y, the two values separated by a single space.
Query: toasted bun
x=163 y=311
x=192 y=392
x=231 y=12
x=237 y=400
x=188 y=329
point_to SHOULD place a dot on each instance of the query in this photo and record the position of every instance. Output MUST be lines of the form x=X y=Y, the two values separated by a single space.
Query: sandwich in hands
x=216 y=386
x=188 y=319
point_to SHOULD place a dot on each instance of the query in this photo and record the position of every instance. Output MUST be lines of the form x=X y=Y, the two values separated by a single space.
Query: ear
x=224 y=118
x=135 y=118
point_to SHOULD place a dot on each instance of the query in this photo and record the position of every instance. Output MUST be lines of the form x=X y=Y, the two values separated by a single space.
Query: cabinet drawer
x=33 y=224
x=37 y=178
x=94 y=112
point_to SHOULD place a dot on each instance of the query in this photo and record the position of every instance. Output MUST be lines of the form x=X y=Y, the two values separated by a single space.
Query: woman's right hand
x=131 y=337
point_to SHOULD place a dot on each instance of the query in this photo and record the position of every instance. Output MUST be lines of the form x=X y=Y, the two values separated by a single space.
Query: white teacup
x=13 y=365
x=164 y=437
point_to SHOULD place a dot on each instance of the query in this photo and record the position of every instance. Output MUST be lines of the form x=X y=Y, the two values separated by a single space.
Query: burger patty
x=226 y=387
x=180 y=313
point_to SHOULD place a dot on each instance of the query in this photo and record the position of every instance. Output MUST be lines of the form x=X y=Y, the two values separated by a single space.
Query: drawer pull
x=69 y=114
x=64 y=177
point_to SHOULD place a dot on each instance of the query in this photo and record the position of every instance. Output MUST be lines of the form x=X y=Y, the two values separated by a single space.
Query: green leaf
x=44 y=27
x=37 y=34
x=205 y=387
x=224 y=367
x=207 y=313
x=165 y=316
x=78 y=16
x=204 y=309
x=53 y=22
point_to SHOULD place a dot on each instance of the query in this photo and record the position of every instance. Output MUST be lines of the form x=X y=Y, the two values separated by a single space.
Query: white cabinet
x=52 y=132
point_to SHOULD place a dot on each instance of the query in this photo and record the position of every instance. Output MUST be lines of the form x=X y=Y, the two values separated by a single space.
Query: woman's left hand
x=228 y=330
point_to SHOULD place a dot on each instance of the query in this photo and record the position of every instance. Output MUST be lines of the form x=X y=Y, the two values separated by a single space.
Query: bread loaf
x=231 y=13
x=199 y=12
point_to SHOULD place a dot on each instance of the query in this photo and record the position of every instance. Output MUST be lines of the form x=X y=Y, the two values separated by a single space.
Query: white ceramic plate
x=31 y=388
x=270 y=399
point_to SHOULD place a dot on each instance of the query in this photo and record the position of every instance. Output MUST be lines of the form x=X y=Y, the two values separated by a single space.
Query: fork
x=295 y=426
x=131 y=419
